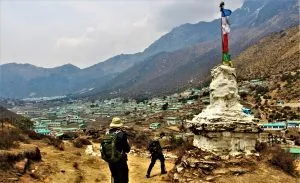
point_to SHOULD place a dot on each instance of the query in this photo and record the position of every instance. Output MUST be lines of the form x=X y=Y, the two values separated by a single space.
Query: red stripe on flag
x=225 y=43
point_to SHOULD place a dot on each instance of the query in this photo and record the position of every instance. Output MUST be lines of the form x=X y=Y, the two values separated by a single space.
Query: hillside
x=4 y=113
x=277 y=53
x=13 y=118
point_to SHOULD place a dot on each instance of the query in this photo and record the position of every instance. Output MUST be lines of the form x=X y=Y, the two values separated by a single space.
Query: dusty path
x=60 y=167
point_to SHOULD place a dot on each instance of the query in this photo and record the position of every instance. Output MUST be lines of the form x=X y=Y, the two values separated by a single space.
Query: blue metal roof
x=42 y=131
x=273 y=124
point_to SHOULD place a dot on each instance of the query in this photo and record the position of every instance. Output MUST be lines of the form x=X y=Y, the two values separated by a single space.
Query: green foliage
x=24 y=124
x=125 y=100
x=142 y=98
x=193 y=97
x=257 y=99
x=175 y=142
x=94 y=105
x=261 y=90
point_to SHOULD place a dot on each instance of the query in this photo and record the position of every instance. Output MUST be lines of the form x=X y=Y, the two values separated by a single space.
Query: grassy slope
x=274 y=54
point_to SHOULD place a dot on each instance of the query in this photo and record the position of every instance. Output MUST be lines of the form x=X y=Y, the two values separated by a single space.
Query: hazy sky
x=52 y=33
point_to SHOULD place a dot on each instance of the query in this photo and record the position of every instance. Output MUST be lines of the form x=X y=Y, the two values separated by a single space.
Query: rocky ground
x=76 y=165
x=84 y=165
x=199 y=166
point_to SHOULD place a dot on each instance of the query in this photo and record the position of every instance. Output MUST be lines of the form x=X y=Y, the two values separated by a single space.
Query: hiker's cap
x=116 y=122
x=155 y=138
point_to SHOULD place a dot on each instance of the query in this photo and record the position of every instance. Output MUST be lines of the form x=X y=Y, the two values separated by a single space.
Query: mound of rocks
x=202 y=166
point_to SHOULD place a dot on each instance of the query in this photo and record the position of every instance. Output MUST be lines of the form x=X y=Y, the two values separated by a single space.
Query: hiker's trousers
x=119 y=172
x=154 y=157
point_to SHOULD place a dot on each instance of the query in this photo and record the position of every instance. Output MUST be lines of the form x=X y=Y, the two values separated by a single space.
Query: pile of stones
x=201 y=166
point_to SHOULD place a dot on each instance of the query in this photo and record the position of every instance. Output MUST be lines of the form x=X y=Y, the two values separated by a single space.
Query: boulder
x=22 y=165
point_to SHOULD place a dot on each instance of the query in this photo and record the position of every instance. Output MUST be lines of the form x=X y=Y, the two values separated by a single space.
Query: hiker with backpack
x=156 y=153
x=114 y=147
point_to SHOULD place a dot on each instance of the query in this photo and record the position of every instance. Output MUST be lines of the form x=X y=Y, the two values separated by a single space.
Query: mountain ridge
x=197 y=66
x=109 y=75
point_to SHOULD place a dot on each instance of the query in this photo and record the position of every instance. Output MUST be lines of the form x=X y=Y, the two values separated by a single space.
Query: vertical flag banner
x=225 y=29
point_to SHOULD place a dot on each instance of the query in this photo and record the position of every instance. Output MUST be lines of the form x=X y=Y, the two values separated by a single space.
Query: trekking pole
x=112 y=179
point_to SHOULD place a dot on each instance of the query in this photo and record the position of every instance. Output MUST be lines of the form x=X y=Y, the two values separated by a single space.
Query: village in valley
x=213 y=119
x=71 y=115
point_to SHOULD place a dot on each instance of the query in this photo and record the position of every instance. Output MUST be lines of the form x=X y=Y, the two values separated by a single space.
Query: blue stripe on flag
x=226 y=12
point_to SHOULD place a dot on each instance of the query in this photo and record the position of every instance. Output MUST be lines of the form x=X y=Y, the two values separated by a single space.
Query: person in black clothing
x=119 y=170
x=156 y=153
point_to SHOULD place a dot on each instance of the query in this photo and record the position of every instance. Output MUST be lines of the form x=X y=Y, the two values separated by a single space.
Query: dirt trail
x=90 y=169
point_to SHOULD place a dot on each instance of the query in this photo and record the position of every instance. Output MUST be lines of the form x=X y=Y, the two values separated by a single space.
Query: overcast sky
x=52 y=33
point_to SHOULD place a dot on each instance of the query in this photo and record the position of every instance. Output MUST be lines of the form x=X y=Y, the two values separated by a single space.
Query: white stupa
x=222 y=127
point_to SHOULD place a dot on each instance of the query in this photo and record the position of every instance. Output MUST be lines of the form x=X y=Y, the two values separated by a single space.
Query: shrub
x=79 y=142
x=7 y=159
x=55 y=142
x=162 y=134
x=165 y=106
x=76 y=165
x=77 y=153
x=243 y=94
x=283 y=160
x=261 y=90
x=79 y=179
x=261 y=146
x=176 y=142
x=287 y=108
x=138 y=123
x=141 y=140
x=84 y=141
x=297 y=142
x=69 y=135
x=96 y=140
x=10 y=138
x=33 y=135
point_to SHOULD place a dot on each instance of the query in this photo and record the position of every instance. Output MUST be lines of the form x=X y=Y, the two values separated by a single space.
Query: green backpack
x=108 y=149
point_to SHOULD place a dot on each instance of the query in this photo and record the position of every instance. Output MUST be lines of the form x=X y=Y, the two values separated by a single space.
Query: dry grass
x=11 y=138
x=8 y=158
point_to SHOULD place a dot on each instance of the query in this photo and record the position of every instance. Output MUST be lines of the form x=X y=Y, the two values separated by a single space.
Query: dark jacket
x=122 y=142
x=154 y=147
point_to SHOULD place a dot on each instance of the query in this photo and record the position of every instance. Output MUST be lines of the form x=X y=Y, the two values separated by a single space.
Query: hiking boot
x=147 y=176
x=164 y=172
